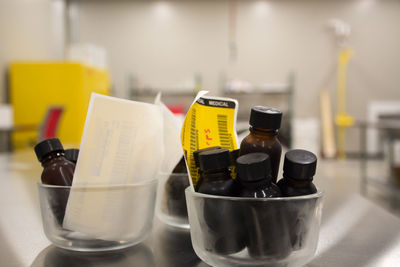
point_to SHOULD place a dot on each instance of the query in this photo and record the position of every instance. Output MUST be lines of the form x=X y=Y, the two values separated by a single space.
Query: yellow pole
x=343 y=120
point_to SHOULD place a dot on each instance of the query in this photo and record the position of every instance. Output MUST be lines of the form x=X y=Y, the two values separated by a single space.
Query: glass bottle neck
x=256 y=184
x=214 y=175
x=51 y=157
x=297 y=183
x=260 y=131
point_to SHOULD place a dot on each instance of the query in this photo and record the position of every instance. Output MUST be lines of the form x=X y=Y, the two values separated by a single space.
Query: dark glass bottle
x=72 y=155
x=174 y=197
x=254 y=174
x=266 y=236
x=225 y=231
x=298 y=170
x=197 y=163
x=264 y=125
x=214 y=166
x=57 y=170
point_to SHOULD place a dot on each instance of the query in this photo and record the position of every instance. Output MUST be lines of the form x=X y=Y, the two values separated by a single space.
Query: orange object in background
x=37 y=86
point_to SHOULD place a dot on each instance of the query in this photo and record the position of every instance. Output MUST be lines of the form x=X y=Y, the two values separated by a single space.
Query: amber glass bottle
x=264 y=125
x=254 y=174
x=197 y=163
x=266 y=236
x=223 y=221
x=298 y=171
x=174 y=191
x=57 y=170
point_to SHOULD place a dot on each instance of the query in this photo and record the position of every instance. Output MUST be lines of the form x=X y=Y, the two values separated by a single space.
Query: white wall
x=30 y=30
x=165 y=42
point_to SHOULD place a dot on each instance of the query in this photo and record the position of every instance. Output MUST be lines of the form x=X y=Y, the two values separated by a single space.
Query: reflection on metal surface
x=166 y=247
x=173 y=247
x=346 y=216
x=139 y=255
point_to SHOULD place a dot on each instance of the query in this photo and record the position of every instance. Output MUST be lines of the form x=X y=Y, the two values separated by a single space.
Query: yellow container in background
x=36 y=86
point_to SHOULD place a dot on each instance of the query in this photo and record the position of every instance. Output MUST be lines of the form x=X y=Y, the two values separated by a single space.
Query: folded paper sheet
x=122 y=144
x=172 y=142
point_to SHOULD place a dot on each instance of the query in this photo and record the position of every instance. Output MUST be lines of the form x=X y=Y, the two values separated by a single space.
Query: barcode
x=224 y=136
x=193 y=146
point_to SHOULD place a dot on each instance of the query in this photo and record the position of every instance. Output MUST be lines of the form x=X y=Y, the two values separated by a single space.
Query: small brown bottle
x=266 y=238
x=217 y=180
x=298 y=170
x=254 y=174
x=174 y=191
x=57 y=170
x=197 y=163
x=223 y=221
x=264 y=125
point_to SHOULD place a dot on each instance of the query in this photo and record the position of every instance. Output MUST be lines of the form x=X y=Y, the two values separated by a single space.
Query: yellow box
x=36 y=86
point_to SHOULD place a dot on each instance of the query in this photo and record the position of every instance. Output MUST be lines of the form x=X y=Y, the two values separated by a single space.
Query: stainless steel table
x=354 y=231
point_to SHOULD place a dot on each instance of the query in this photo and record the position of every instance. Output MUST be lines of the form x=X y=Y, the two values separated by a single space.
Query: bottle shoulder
x=290 y=190
x=263 y=192
x=218 y=187
x=58 y=172
x=257 y=143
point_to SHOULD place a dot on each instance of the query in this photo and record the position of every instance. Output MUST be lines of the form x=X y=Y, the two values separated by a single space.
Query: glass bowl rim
x=193 y=194
x=98 y=186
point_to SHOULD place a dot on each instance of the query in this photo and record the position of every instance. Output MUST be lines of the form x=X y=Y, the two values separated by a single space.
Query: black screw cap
x=43 y=148
x=197 y=152
x=253 y=167
x=299 y=164
x=214 y=159
x=265 y=118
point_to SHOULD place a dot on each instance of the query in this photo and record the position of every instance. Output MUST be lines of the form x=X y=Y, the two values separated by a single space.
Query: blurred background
x=330 y=66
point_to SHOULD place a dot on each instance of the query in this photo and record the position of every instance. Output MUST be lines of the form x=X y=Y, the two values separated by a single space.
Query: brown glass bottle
x=264 y=125
x=222 y=220
x=174 y=193
x=298 y=170
x=57 y=170
x=266 y=238
x=197 y=163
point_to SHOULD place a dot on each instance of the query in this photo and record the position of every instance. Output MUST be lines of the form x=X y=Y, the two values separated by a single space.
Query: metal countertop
x=354 y=231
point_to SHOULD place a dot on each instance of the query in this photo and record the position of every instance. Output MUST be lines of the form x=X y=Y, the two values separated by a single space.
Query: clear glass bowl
x=171 y=201
x=233 y=231
x=126 y=222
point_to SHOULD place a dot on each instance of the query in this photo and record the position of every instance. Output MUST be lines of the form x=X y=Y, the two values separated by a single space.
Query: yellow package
x=210 y=121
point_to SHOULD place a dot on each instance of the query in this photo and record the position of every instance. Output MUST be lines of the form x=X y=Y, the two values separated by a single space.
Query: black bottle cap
x=72 y=154
x=265 y=117
x=214 y=159
x=43 y=148
x=299 y=164
x=197 y=152
x=253 y=167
